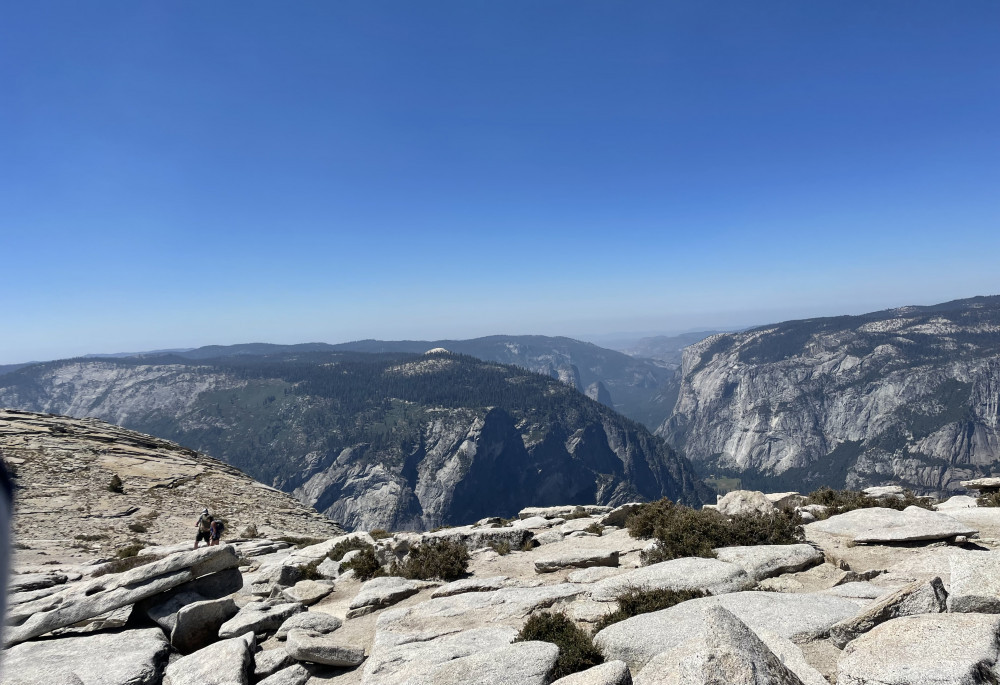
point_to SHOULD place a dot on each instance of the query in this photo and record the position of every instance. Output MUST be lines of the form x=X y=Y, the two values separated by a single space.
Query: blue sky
x=179 y=174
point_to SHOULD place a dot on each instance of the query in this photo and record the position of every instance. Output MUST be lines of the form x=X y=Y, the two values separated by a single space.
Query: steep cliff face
x=393 y=441
x=907 y=395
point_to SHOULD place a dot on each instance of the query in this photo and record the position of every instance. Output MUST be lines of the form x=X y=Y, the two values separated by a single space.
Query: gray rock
x=197 y=624
x=765 y=561
x=784 y=500
x=691 y=573
x=609 y=673
x=258 y=617
x=533 y=523
x=744 y=502
x=563 y=511
x=577 y=525
x=295 y=674
x=548 y=537
x=270 y=661
x=398 y=657
x=474 y=538
x=593 y=574
x=28 y=582
x=87 y=599
x=929 y=649
x=802 y=616
x=727 y=652
x=522 y=663
x=878 y=524
x=228 y=662
x=882 y=491
x=617 y=516
x=915 y=598
x=136 y=657
x=957 y=502
x=329 y=569
x=988 y=484
x=306 y=645
x=580 y=557
x=381 y=592
x=861 y=589
x=470 y=585
x=975 y=583
x=307 y=592
x=314 y=621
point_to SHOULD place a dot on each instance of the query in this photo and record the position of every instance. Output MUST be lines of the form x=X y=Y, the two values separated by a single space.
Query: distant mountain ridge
x=642 y=389
x=907 y=395
x=395 y=440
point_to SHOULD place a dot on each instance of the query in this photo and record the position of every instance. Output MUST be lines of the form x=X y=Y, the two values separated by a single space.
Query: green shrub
x=576 y=649
x=501 y=548
x=130 y=550
x=137 y=527
x=577 y=513
x=989 y=499
x=365 y=565
x=635 y=601
x=308 y=571
x=380 y=533
x=345 y=546
x=116 y=485
x=595 y=528
x=442 y=559
x=683 y=532
x=843 y=501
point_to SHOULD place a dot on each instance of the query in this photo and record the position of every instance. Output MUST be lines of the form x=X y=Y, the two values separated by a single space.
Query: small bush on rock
x=635 y=601
x=130 y=550
x=989 y=499
x=595 y=528
x=364 y=564
x=442 y=559
x=137 y=527
x=843 y=501
x=380 y=534
x=576 y=649
x=684 y=532
x=115 y=484
x=345 y=546
x=501 y=548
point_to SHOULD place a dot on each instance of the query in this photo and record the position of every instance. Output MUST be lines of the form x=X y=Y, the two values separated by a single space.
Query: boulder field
x=871 y=597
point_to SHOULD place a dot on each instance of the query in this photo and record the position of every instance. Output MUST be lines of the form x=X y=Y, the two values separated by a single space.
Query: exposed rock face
x=729 y=652
x=711 y=575
x=924 y=650
x=909 y=395
x=65 y=466
x=229 y=662
x=911 y=600
x=878 y=524
x=462 y=446
x=137 y=657
x=86 y=600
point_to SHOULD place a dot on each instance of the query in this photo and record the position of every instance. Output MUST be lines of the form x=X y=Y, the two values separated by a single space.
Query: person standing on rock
x=204 y=529
x=216 y=532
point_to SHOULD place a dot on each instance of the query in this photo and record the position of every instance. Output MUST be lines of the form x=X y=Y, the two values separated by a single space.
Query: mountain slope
x=64 y=467
x=642 y=389
x=908 y=395
x=394 y=440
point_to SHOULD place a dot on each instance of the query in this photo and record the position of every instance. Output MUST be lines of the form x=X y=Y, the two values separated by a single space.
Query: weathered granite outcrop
x=906 y=396
x=106 y=593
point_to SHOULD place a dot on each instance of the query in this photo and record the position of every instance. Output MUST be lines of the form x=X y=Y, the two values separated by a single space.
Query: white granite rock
x=690 y=573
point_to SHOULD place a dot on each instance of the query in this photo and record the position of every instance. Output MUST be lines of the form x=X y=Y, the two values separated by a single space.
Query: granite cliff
x=908 y=395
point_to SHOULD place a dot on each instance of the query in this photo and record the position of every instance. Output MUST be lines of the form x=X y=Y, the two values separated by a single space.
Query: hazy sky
x=184 y=173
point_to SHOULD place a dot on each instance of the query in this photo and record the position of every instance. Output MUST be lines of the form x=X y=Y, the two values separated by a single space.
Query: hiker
x=216 y=532
x=204 y=528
